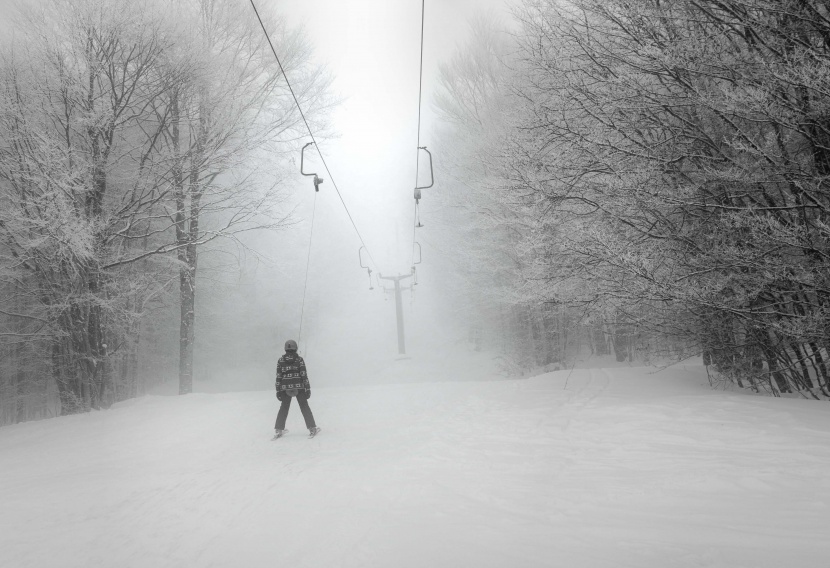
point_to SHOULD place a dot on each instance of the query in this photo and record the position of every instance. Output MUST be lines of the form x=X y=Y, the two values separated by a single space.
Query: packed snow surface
x=624 y=467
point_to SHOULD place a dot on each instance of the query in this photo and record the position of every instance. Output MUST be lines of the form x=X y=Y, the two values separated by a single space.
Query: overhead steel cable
x=416 y=221
x=414 y=228
x=307 y=265
x=319 y=152
x=420 y=88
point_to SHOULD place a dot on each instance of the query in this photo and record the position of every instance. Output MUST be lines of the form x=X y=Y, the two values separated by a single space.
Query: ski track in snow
x=625 y=467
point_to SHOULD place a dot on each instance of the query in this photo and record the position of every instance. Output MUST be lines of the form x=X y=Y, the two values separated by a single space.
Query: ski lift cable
x=414 y=228
x=307 y=265
x=317 y=146
x=417 y=221
x=420 y=90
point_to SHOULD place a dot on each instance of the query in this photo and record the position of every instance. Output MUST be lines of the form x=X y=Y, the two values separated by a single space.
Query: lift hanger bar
x=368 y=270
x=317 y=179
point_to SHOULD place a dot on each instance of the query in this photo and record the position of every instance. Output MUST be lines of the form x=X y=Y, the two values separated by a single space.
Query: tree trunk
x=70 y=391
x=187 y=294
x=20 y=382
x=19 y=365
x=187 y=234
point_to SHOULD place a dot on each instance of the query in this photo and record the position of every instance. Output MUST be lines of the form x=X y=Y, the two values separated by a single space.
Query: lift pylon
x=398 y=308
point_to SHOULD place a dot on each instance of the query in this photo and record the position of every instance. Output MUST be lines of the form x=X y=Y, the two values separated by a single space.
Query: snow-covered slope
x=622 y=468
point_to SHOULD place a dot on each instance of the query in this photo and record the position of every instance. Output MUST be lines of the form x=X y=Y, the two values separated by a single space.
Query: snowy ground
x=624 y=468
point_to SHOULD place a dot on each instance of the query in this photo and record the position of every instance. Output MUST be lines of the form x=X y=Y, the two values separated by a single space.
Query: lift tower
x=398 y=307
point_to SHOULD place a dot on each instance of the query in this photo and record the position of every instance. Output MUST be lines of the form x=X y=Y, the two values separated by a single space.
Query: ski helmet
x=290 y=345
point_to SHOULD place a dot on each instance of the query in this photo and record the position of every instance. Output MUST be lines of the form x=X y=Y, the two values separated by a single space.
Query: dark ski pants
x=302 y=400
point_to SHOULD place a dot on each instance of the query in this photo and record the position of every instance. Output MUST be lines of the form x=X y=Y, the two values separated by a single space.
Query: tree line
x=132 y=135
x=655 y=171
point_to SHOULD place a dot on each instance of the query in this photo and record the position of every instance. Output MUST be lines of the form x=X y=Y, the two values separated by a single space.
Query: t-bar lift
x=366 y=266
x=317 y=179
x=418 y=188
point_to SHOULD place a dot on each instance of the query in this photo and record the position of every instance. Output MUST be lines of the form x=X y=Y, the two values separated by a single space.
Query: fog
x=625 y=250
x=371 y=47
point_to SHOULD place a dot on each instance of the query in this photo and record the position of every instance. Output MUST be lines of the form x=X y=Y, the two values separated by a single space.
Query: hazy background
x=521 y=255
x=372 y=48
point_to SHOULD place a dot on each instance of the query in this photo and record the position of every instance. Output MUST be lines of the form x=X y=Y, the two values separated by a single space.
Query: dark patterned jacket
x=291 y=373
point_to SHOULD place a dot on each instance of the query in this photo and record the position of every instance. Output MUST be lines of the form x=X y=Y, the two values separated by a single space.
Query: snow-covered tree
x=132 y=133
x=230 y=116
x=691 y=138
x=662 y=167
x=496 y=228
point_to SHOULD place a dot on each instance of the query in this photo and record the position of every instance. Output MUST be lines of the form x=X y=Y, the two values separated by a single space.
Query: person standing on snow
x=292 y=380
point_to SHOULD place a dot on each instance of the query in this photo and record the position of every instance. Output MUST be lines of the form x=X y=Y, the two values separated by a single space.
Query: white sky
x=372 y=49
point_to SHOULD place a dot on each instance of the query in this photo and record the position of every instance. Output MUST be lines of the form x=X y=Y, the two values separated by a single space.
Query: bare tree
x=77 y=133
x=690 y=137
x=132 y=133
x=661 y=167
x=230 y=117
x=497 y=232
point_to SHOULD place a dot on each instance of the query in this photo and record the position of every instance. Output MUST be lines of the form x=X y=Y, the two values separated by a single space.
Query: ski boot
x=278 y=434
